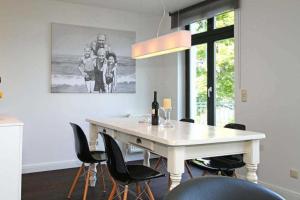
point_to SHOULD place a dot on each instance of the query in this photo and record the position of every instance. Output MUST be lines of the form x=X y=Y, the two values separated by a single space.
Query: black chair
x=186 y=163
x=86 y=157
x=224 y=165
x=124 y=174
x=221 y=188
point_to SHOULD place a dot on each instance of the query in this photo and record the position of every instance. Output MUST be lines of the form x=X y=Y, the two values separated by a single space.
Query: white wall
x=270 y=65
x=170 y=78
x=25 y=51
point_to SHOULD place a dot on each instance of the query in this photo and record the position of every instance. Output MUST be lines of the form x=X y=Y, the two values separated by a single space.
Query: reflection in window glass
x=199 y=27
x=224 y=19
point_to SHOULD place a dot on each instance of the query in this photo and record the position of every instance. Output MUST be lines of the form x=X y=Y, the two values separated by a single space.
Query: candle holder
x=167 y=113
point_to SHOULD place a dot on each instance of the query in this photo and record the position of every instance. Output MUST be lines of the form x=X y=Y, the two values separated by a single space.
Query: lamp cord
x=162 y=17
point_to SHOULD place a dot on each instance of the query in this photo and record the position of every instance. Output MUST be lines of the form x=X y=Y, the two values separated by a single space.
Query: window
x=198 y=27
x=224 y=19
x=210 y=68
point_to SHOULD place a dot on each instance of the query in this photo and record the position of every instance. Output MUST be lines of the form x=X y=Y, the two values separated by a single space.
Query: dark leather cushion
x=221 y=188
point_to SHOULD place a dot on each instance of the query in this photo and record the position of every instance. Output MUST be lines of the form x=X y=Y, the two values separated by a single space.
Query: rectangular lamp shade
x=169 y=43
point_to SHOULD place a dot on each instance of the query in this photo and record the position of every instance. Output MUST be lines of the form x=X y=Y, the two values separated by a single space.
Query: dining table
x=179 y=142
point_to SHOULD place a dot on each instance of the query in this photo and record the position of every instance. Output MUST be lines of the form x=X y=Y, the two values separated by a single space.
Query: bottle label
x=153 y=111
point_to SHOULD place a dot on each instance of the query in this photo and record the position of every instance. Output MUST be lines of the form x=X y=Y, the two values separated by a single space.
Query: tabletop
x=181 y=134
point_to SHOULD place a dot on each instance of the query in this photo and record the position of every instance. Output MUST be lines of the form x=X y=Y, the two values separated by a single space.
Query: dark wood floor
x=54 y=185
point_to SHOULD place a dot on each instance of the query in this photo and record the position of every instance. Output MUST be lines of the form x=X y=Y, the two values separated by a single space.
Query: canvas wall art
x=92 y=60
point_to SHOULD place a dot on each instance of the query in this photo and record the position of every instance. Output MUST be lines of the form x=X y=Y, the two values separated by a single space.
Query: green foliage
x=201 y=26
x=225 y=70
x=224 y=19
x=224 y=63
x=201 y=84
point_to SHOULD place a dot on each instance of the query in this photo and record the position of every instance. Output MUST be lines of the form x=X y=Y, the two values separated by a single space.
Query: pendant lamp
x=169 y=43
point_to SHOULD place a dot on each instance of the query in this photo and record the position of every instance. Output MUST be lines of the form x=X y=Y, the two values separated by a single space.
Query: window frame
x=210 y=37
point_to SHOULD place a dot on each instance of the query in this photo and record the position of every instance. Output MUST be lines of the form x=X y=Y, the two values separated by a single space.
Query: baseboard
x=286 y=193
x=49 y=166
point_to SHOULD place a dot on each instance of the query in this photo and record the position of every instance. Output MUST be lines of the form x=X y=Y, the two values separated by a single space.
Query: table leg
x=93 y=174
x=251 y=158
x=175 y=180
x=93 y=146
x=125 y=150
x=146 y=158
x=175 y=165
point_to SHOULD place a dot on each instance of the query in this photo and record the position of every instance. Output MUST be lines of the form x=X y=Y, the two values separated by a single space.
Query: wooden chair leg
x=125 y=192
x=188 y=169
x=113 y=190
x=75 y=181
x=149 y=191
x=137 y=189
x=158 y=162
x=86 y=186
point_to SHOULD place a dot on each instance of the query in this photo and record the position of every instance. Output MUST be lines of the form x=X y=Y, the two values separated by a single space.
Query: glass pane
x=199 y=27
x=198 y=63
x=224 y=19
x=224 y=81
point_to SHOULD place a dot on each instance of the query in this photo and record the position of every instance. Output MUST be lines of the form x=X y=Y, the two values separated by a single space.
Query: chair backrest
x=115 y=161
x=220 y=188
x=81 y=144
x=236 y=126
x=188 y=120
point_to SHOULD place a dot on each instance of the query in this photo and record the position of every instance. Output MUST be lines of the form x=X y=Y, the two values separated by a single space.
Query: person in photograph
x=86 y=67
x=101 y=42
x=111 y=72
x=100 y=70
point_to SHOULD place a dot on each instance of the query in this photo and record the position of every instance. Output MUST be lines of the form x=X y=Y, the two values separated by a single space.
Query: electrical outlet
x=244 y=95
x=294 y=174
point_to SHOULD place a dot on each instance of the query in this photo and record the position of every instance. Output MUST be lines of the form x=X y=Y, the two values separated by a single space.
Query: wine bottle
x=155 y=107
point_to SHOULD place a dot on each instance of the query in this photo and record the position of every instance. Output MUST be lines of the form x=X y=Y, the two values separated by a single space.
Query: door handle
x=209 y=90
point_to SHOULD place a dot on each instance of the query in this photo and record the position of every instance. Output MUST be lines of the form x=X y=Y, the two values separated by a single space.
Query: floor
x=54 y=185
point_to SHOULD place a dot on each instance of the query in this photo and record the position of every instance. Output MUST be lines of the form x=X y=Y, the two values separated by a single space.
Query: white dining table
x=182 y=142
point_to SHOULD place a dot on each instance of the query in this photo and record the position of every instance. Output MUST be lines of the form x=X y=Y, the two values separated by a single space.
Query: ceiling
x=153 y=7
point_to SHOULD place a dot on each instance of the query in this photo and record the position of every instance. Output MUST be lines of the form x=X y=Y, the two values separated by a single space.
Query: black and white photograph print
x=92 y=60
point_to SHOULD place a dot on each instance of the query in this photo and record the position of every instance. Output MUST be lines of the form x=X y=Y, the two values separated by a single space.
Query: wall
x=270 y=72
x=25 y=51
x=170 y=78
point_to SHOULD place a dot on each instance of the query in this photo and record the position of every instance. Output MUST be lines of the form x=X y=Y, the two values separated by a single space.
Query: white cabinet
x=11 y=131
